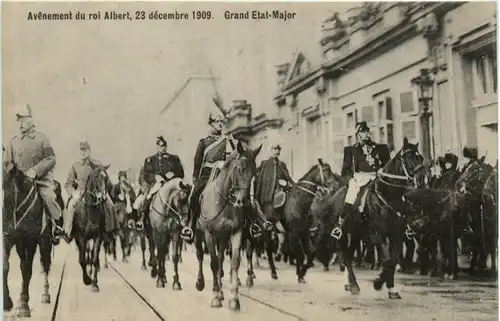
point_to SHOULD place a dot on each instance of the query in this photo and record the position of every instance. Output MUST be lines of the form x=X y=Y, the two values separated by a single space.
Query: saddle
x=280 y=194
x=361 y=197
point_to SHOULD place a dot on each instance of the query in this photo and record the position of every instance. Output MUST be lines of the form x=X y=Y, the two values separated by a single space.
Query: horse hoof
x=7 y=304
x=143 y=268
x=87 y=280
x=377 y=284
x=154 y=273
x=326 y=269
x=347 y=287
x=249 y=282
x=239 y=282
x=221 y=295
x=200 y=284
x=176 y=286
x=253 y=275
x=23 y=311
x=124 y=260
x=105 y=265
x=160 y=284
x=94 y=288
x=234 y=304
x=216 y=303
x=46 y=298
x=355 y=289
x=394 y=296
x=301 y=280
x=278 y=258
x=342 y=268
x=274 y=275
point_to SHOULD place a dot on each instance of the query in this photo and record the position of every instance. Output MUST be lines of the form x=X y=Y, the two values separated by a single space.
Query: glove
x=30 y=173
x=158 y=178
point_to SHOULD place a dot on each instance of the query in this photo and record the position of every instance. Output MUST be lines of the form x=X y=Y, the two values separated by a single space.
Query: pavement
x=128 y=293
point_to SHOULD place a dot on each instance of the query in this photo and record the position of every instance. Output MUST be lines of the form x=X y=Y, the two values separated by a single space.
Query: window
x=381 y=135
x=381 y=112
x=484 y=69
x=409 y=129
x=336 y=124
x=388 y=108
x=367 y=114
x=390 y=137
x=350 y=120
x=318 y=129
x=481 y=72
x=350 y=140
x=406 y=99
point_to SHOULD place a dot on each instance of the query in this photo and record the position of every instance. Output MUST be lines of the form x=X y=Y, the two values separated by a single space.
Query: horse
x=168 y=215
x=223 y=207
x=383 y=220
x=489 y=217
x=23 y=226
x=89 y=224
x=127 y=216
x=297 y=214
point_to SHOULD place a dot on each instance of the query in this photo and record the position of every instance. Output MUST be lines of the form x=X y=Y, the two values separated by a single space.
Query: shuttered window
x=390 y=137
x=406 y=100
x=388 y=108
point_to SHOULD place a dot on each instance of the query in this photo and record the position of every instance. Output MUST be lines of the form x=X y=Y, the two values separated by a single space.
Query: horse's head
x=241 y=168
x=97 y=183
x=320 y=174
x=408 y=165
x=174 y=196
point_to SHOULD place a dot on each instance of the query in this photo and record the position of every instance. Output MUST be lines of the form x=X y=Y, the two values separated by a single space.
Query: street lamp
x=425 y=94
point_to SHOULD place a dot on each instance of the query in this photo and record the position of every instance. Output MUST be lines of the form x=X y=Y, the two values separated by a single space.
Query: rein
x=317 y=186
x=178 y=220
x=24 y=202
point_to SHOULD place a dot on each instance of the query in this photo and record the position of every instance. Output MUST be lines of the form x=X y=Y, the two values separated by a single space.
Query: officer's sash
x=212 y=146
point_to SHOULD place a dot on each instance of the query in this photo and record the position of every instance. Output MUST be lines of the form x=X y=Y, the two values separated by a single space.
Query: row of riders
x=378 y=201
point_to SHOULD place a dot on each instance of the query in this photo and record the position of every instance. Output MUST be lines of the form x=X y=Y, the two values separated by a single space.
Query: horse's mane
x=309 y=172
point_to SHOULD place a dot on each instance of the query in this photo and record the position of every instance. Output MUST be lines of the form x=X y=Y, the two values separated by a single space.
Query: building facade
x=371 y=60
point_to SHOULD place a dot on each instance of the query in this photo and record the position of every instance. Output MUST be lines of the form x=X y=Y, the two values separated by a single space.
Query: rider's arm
x=286 y=173
x=70 y=181
x=48 y=161
x=148 y=172
x=347 y=166
x=179 y=170
x=198 y=159
x=384 y=154
x=8 y=158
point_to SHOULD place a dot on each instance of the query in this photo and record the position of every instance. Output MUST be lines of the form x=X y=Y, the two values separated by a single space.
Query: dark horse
x=222 y=219
x=23 y=220
x=168 y=215
x=297 y=214
x=127 y=217
x=89 y=223
x=489 y=218
x=382 y=219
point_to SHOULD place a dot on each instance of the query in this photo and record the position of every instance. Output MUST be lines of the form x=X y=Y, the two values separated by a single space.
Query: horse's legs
x=161 y=245
x=123 y=244
x=214 y=266
x=181 y=246
x=7 y=247
x=26 y=249
x=107 y=250
x=176 y=250
x=45 y=244
x=200 y=252
x=95 y=263
x=270 y=256
x=299 y=248
x=390 y=266
x=249 y=255
x=82 y=257
x=236 y=240
x=351 y=243
x=143 y=249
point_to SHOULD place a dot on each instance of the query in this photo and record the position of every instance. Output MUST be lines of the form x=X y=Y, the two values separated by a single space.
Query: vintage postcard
x=249 y=161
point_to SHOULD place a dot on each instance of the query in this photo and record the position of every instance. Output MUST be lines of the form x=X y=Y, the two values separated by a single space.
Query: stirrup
x=255 y=231
x=187 y=233
x=139 y=226
x=336 y=233
x=268 y=226
x=409 y=232
x=130 y=224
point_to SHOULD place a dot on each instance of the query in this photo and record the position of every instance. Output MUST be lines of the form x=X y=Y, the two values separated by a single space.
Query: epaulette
x=148 y=159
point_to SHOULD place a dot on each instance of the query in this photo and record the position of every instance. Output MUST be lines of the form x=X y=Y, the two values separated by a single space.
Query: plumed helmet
x=470 y=152
x=212 y=118
x=84 y=145
x=362 y=127
x=23 y=110
x=161 y=141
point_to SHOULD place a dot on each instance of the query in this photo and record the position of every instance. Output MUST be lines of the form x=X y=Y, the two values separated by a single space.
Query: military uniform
x=75 y=185
x=361 y=163
x=471 y=180
x=31 y=152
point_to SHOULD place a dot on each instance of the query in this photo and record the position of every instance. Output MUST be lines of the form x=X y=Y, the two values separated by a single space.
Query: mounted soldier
x=158 y=169
x=75 y=185
x=449 y=172
x=361 y=163
x=211 y=152
x=123 y=191
x=31 y=153
x=272 y=182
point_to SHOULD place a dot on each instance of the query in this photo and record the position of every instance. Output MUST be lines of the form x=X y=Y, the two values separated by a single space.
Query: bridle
x=319 y=187
x=177 y=217
x=33 y=190
x=408 y=177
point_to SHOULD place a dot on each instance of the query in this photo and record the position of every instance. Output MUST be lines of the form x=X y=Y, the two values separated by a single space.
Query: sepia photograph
x=219 y=161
